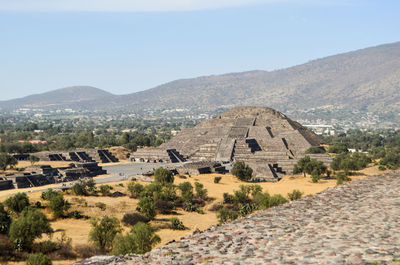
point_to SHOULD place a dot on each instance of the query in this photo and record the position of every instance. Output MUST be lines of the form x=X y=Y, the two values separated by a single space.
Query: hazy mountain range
x=363 y=80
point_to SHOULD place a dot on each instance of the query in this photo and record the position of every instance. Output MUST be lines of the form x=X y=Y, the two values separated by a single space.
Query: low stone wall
x=354 y=223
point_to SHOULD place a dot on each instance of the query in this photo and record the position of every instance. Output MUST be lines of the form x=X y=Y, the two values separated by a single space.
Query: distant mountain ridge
x=363 y=80
x=68 y=96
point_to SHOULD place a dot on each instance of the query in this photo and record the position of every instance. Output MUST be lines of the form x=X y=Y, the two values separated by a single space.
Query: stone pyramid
x=264 y=138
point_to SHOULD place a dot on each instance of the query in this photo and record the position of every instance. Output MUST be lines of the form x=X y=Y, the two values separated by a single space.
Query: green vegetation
x=7 y=161
x=248 y=199
x=176 y=224
x=33 y=159
x=310 y=166
x=57 y=203
x=104 y=231
x=163 y=175
x=5 y=220
x=315 y=150
x=350 y=162
x=140 y=240
x=147 y=207
x=38 y=259
x=105 y=189
x=217 y=179
x=31 y=224
x=242 y=171
x=135 y=189
x=17 y=203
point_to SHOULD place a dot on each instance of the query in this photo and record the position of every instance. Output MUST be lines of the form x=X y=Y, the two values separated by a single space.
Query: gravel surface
x=354 y=223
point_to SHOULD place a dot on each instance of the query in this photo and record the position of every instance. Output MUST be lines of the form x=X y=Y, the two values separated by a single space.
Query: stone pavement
x=354 y=223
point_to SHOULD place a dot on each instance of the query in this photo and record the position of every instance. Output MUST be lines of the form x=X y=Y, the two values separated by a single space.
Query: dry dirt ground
x=78 y=230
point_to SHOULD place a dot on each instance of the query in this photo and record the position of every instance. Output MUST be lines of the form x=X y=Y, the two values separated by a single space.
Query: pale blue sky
x=125 y=46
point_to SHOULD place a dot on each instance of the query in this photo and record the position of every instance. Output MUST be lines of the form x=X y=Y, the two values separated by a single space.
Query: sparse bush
x=216 y=207
x=226 y=214
x=104 y=231
x=135 y=189
x=228 y=198
x=86 y=251
x=45 y=247
x=242 y=171
x=381 y=167
x=341 y=177
x=164 y=207
x=201 y=192
x=47 y=195
x=141 y=240
x=163 y=176
x=262 y=200
x=276 y=200
x=130 y=219
x=5 y=220
x=17 y=203
x=315 y=150
x=189 y=207
x=295 y=195
x=38 y=259
x=59 y=205
x=105 y=189
x=101 y=205
x=186 y=191
x=76 y=214
x=176 y=224
x=80 y=189
x=217 y=179
x=147 y=207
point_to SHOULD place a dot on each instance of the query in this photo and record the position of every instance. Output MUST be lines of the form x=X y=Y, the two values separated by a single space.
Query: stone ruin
x=40 y=175
x=84 y=155
x=265 y=139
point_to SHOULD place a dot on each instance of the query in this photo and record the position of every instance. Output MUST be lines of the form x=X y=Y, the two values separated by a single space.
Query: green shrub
x=104 y=231
x=262 y=200
x=147 y=207
x=59 y=205
x=382 y=167
x=140 y=240
x=341 y=177
x=276 y=200
x=228 y=198
x=47 y=195
x=18 y=202
x=201 y=192
x=295 y=195
x=80 y=189
x=130 y=219
x=5 y=220
x=186 y=191
x=164 y=207
x=38 y=259
x=163 y=176
x=224 y=215
x=76 y=214
x=217 y=179
x=105 y=189
x=31 y=224
x=242 y=171
x=135 y=189
x=315 y=150
x=176 y=224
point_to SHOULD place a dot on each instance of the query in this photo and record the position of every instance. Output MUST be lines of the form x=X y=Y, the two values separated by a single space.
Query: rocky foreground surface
x=355 y=223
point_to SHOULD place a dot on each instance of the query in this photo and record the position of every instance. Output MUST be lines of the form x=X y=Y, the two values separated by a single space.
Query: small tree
x=18 y=202
x=295 y=195
x=186 y=191
x=135 y=189
x=105 y=189
x=147 y=207
x=176 y=224
x=201 y=192
x=33 y=159
x=163 y=176
x=140 y=240
x=59 y=205
x=7 y=161
x=242 y=171
x=38 y=259
x=80 y=188
x=5 y=220
x=31 y=224
x=104 y=231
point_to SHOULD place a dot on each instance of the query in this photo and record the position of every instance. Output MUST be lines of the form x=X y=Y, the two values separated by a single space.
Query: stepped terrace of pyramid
x=265 y=139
